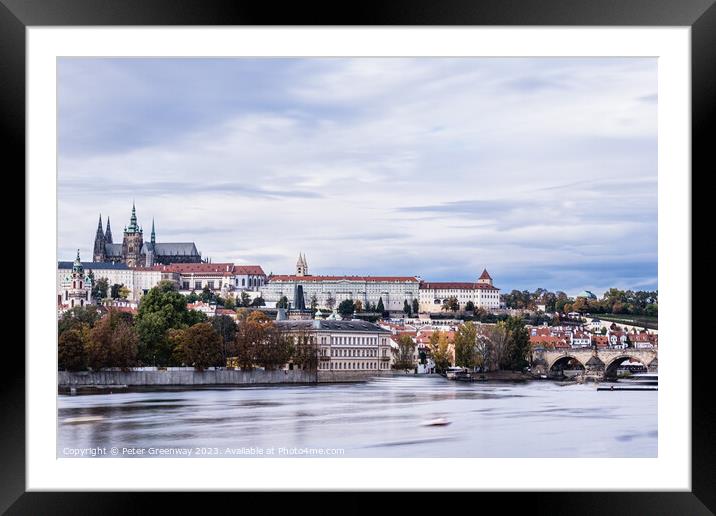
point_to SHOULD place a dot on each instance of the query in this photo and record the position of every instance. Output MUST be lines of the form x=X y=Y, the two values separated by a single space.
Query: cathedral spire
x=99 y=224
x=153 y=234
x=133 y=226
x=108 y=234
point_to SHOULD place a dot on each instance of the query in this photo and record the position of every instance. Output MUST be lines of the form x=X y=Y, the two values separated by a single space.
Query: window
x=210 y=285
x=185 y=285
x=243 y=282
x=197 y=285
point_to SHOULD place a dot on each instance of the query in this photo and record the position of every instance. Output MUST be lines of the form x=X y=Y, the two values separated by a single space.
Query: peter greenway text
x=244 y=451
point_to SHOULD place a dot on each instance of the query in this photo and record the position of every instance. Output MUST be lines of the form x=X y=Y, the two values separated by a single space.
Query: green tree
x=275 y=349
x=282 y=303
x=246 y=299
x=207 y=296
x=99 y=289
x=518 y=343
x=112 y=343
x=416 y=306
x=380 y=308
x=229 y=303
x=407 y=310
x=470 y=306
x=226 y=328
x=404 y=353
x=161 y=309
x=71 y=355
x=258 y=301
x=192 y=297
x=465 y=345
x=346 y=308
x=202 y=346
x=78 y=316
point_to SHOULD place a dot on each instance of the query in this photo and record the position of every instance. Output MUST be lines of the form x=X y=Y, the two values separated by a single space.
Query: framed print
x=415 y=250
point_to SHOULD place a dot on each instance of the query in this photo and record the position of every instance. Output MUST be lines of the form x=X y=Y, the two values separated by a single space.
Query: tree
x=282 y=303
x=465 y=341
x=497 y=345
x=346 y=308
x=314 y=303
x=78 y=316
x=202 y=346
x=123 y=292
x=100 y=288
x=161 y=309
x=380 y=308
x=358 y=306
x=112 y=342
x=71 y=354
x=258 y=301
x=407 y=310
x=226 y=328
x=192 y=297
x=275 y=348
x=416 y=306
x=305 y=351
x=229 y=303
x=519 y=347
x=330 y=302
x=246 y=299
x=404 y=355
x=251 y=332
x=451 y=304
x=470 y=306
x=440 y=350
x=207 y=296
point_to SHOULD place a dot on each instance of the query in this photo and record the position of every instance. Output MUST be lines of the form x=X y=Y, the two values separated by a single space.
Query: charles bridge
x=601 y=363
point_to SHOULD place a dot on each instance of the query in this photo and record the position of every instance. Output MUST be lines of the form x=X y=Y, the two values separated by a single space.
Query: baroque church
x=135 y=252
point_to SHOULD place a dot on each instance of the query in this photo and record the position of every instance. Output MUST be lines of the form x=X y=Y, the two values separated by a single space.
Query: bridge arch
x=610 y=370
x=567 y=361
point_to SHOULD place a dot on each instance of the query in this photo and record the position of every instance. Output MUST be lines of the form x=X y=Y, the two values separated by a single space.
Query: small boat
x=83 y=419
x=438 y=421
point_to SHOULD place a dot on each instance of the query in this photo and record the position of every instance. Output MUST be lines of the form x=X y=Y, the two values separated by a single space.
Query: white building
x=482 y=294
x=226 y=279
x=393 y=290
x=138 y=279
x=75 y=287
x=345 y=346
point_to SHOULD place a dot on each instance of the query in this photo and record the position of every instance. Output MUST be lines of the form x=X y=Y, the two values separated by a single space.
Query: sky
x=542 y=170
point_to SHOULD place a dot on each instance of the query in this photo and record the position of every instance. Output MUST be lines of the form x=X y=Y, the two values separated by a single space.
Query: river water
x=385 y=417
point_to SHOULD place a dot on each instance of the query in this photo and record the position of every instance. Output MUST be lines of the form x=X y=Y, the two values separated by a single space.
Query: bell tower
x=133 y=241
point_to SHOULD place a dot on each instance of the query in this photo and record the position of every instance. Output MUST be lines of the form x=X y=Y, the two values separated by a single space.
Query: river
x=385 y=417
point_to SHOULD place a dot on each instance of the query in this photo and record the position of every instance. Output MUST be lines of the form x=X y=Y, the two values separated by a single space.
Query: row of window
x=354 y=365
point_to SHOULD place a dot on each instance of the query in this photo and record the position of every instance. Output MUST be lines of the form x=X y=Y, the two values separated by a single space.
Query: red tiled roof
x=210 y=269
x=455 y=285
x=484 y=275
x=291 y=277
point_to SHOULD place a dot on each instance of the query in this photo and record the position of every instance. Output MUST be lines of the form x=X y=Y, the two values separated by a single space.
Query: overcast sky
x=543 y=170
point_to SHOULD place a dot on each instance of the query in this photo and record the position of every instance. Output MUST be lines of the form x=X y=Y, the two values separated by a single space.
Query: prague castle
x=135 y=252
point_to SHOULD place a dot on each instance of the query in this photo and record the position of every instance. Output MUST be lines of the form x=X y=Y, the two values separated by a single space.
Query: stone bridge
x=601 y=363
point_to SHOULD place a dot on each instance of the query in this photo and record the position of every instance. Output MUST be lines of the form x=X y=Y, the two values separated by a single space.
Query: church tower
x=108 y=234
x=133 y=241
x=485 y=278
x=301 y=266
x=99 y=254
x=77 y=288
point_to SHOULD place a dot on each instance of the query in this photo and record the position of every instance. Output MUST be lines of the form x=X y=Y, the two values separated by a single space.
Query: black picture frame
x=17 y=15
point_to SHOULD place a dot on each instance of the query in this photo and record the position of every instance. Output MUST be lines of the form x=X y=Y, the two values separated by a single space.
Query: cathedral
x=135 y=252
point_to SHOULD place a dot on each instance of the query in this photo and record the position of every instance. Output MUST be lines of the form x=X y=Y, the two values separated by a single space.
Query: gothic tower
x=133 y=241
x=301 y=266
x=108 y=234
x=99 y=254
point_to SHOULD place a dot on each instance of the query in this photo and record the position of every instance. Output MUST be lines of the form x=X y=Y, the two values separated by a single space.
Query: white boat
x=438 y=421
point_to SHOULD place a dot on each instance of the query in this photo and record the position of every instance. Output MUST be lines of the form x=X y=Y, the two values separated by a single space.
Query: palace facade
x=482 y=294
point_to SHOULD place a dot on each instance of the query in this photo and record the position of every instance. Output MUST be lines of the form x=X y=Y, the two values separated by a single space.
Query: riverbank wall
x=173 y=377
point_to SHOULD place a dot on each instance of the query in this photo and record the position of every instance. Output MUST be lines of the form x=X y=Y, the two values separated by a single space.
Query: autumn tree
x=465 y=341
x=202 y=346
x=451 y=304
x=71 y=355
x=440 y=350
x=112 y=342
x=275 y=348
x=404 y=354
x=358 y=306
x=226 y=328
x=78 y=316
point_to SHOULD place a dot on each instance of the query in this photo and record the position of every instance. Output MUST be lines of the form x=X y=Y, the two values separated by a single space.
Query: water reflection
x=382 y=418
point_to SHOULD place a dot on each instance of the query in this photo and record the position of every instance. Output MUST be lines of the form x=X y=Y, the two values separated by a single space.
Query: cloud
x=429 y=166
